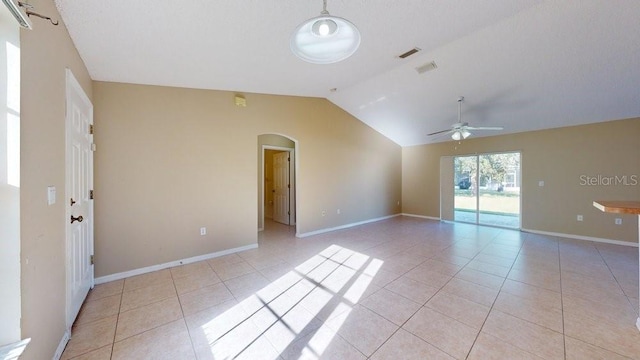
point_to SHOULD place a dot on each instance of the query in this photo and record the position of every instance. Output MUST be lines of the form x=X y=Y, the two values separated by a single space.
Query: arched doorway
x=277 y=185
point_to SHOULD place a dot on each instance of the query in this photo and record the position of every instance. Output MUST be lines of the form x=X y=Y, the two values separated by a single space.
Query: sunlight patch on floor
x=288 y=313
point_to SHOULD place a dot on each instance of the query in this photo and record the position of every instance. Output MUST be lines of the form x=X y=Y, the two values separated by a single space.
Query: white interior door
x=281 y=187
x=79 y=194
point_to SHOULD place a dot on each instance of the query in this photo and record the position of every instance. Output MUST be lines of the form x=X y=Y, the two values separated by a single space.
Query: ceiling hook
x=53 y=22
x=25 y=5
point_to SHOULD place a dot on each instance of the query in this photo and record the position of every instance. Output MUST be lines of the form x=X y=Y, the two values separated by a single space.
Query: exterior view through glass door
x=487 y=189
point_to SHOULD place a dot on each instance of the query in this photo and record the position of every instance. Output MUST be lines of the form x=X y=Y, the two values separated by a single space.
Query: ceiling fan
x=460 y=130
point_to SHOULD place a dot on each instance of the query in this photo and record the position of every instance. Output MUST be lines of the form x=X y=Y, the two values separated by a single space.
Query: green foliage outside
x=493 y=167
x=491 y=202
x=498 y=173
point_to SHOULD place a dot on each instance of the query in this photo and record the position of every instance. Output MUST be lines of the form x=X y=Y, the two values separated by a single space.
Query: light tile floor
x=402 y=288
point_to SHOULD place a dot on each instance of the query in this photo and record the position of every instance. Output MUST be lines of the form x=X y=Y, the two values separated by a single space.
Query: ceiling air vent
x=409 y=53
x=426 y=67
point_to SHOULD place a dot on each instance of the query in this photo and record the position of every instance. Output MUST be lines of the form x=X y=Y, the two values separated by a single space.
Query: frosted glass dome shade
x=325 y=39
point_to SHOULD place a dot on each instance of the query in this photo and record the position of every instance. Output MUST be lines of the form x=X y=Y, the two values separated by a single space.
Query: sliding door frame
x=448 y=163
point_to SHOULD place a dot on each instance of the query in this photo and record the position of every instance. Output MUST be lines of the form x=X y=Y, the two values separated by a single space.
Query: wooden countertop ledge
x=618 y=207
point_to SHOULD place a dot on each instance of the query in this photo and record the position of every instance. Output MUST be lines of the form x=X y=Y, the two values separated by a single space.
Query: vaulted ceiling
x=521 y=64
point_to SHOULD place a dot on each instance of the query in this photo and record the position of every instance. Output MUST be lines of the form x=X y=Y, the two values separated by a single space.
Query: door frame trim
x=71 y=83
x=292 y=176
x=477 y=155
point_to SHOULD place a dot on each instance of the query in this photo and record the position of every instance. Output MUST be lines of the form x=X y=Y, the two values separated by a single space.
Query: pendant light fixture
x=325 y=39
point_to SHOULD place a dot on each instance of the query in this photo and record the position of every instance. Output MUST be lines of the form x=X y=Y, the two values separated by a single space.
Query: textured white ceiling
x=521 y=64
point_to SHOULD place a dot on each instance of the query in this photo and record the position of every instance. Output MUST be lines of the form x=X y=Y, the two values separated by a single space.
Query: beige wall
x=45 y=53
x=172 y=160
x=559 y=157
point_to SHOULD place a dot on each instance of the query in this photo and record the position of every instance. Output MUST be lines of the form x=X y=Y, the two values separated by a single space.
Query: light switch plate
x=51 y=195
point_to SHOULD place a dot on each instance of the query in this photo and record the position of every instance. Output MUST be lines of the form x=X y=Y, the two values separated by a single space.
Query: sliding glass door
x=487 y=189
x=465 y=202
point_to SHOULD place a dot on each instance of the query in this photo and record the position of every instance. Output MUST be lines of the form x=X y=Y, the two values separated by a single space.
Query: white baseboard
x=346 y=226
x=582 y=237
x=63 y=343
x=148 y=269
x=569 y=236
x=421 y=216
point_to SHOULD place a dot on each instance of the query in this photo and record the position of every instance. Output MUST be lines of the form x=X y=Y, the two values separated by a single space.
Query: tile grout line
x=113 y=341
x=184 y=318
x=431 y=297
x=494 y=302
x=607 y=264
x=529 y=321
x=615 y=278
x=415 y=312
x=564 y=335
x=303 y=277
x=559 y=244
x=281 y=293
x=150 y=329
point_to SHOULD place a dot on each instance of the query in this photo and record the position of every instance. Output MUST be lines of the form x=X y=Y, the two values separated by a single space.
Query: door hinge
x=90 y=194
x=91 y=129
x=91 y=259
x=288 y=186
x=288 y=212
x=288 y=159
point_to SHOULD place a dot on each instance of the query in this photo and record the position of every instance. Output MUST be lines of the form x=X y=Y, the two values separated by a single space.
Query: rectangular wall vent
x=426 y=67
x=409 y=53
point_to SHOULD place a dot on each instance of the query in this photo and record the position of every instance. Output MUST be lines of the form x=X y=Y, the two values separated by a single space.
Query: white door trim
x=73 y=86
x=293 y=176
x=280 y=186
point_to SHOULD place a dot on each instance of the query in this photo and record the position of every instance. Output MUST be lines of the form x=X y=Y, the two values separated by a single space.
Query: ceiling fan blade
x=460 y=130
x=485 y=128
x=440 y=132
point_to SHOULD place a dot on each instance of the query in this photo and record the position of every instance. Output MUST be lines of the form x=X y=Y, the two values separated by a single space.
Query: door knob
x=78 y=219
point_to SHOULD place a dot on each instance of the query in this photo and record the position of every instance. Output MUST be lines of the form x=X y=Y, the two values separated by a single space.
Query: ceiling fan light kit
x=460 y=134
x=325 y=39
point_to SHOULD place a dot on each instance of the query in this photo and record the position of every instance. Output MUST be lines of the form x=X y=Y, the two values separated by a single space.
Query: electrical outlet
x=541 y=183
x=324 y=213
x=203 y=231
x=338 y=211
x=618 y=221
x=398 y=203
x=579 y=218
